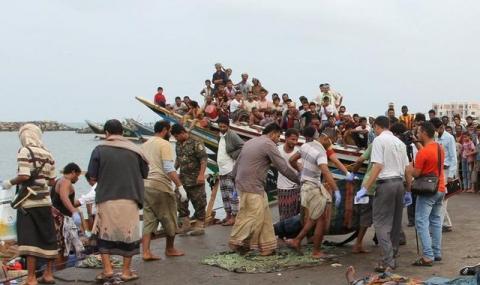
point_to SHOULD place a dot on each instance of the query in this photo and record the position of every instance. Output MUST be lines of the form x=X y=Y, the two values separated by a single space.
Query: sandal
x=102 y=277
x=382 y=268
x=470 y=270
x=42 y=280
x=129 y=278
x=422 y=262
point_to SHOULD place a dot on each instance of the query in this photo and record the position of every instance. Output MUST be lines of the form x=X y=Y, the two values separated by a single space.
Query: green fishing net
x=284 y=259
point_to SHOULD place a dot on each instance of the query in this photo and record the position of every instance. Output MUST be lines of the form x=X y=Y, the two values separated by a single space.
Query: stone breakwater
x=44 y=125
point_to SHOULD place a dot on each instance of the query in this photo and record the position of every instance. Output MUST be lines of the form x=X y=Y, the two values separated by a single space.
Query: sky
x=76 y=60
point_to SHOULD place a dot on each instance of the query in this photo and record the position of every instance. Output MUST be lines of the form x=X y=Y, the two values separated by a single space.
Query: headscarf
x=30 y=135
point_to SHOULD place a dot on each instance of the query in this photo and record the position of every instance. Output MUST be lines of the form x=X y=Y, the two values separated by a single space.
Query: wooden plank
x=213 y=195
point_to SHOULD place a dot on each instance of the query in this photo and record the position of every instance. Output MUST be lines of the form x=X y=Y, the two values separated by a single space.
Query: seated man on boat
x=159 y=98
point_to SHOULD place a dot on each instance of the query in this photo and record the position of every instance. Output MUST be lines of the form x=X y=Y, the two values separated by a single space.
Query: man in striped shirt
x=314 y=197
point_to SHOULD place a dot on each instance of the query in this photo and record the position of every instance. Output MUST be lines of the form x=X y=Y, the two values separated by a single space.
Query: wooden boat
x=347 y=154
x=96 y=128
x=139 y=128
x=128 y=132
x=344 y=220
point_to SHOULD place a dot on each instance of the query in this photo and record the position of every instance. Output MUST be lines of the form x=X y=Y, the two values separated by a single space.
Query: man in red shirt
x=159 y=98
x=428 y=212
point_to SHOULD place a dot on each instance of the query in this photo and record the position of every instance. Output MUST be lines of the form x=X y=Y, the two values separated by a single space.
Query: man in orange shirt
x=428 y=212
x=406 y=118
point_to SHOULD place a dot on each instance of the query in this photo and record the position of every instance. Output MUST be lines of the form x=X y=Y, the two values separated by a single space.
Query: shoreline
x=45 y=126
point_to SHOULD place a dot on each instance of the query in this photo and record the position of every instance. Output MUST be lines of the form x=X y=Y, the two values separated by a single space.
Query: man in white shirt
x=390 y=168
x=229 y=147
x=288 y=191
x=335 y=97
x=326 y=110
x=360 y=133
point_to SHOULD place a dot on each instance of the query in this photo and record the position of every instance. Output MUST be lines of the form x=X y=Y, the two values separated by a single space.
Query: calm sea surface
x=66 y=147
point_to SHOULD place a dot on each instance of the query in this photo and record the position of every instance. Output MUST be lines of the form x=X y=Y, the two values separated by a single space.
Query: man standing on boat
x=219 y=77
x=119 y=167
x=35 y=227
x=160 y=200
x=192 y=161
x=229 y=147
x=253 y=227
x=244 y=86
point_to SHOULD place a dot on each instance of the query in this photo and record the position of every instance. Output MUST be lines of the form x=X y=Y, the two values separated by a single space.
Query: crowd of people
x=126 y=177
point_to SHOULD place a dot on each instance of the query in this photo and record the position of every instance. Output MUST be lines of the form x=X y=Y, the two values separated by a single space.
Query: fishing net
x=284 y=259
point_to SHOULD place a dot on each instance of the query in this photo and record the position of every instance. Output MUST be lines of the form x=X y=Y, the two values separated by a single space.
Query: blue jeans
x=428 y=221
x=465 y=174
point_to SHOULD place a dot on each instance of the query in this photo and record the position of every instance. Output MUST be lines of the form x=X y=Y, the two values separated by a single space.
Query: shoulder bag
x=427 y=184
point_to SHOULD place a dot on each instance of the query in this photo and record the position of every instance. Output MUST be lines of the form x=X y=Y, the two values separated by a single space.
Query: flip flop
x=129 y=278
x=422 y=262
x=102 y=277
x=470 y=270
x=152 y=258
x=42 y=280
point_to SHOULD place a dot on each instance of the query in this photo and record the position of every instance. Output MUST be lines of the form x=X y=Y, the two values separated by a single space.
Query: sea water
x=65 y=147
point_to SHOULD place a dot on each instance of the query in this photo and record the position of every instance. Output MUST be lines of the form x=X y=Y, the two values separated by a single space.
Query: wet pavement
x=460 y=248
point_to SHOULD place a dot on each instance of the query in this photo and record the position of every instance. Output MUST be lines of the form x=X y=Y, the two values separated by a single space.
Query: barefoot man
x=314 y=197
x=160 y=204
x=253 y=227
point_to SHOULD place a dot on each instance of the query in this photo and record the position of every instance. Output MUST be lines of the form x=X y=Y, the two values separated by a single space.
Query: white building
x=464 y=109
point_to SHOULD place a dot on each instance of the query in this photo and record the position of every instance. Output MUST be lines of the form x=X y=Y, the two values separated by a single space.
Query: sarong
x=288 y=203
x=117 y=227
x=253 y=226
x=314 y=198
x=36 y=233
x=58 y=219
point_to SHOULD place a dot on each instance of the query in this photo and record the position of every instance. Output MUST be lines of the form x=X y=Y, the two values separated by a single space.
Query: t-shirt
x=468 y=147
x=158 y=150
x=224 y=161
x=313 y=154
x=361 y=135
x=326 y=111
x=182 y=109
x=160 y=99
x=391 y=152
x=25 y=167
x=282 y=181
x=407 y=120
x=249 y=105
x=234 y=105
x=265 y=104
x=427 y=162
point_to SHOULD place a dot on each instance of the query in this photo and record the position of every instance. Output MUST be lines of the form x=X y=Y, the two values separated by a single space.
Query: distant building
x=464 y=109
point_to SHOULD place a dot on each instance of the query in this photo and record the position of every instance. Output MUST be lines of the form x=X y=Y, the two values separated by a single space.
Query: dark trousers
x=198 y=197
x=387 y=217
x=411 y=211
